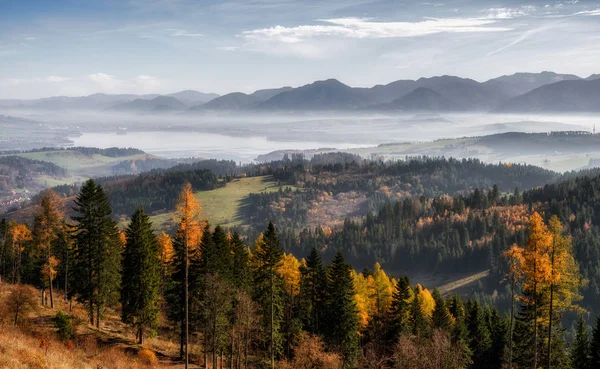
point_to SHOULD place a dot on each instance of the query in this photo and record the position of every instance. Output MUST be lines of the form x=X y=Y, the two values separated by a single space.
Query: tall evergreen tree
x=595 y=345
x=313 y=285
x=97 y=252
x=441 y=316
x=580 y=349
x=342 y=332
x=269 y=289
x=479 y=335
x=141 y=278
x=400 y=310
x=241 y=275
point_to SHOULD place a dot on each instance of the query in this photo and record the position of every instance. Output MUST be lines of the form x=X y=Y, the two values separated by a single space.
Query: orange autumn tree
x=565 y=278
x=514 y=258
x=18 y=234
x=48 y=225
x=188 y=211
x=536 y=270
x=166 y=255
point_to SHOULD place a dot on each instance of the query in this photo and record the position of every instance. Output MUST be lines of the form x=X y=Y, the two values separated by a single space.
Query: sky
x=80 y=47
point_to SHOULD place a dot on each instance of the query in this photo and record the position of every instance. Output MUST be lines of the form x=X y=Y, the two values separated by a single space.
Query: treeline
x=18 y=172
x=383 y=183
x=156 y=190
x=112 y=152
x=257 y=306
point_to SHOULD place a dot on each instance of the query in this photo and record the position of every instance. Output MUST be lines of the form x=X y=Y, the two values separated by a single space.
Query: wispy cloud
x=589 y=12
x=362 y=28
x=522 y=37
x=228 y=48
x=182 y=33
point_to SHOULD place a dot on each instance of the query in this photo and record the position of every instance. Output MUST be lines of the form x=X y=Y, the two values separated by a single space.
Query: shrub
x=310 y=354
x=63 y=323
x=147 y=357
x=20 y=302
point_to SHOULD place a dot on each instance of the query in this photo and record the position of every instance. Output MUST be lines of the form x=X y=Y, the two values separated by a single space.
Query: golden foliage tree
x=18 y=234
x=188 y=211
x=47 y=227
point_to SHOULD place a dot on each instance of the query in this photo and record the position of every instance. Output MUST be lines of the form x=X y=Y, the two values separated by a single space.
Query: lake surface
x=201 y=145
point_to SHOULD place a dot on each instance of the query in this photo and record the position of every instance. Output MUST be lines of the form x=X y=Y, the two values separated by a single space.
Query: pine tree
x=479 y=335
x=595 y=345
x=441 y=317
x=342 y=319
x=400 y=310
x=141 y=278
x=269 y=289
x=498 y=326
x=457 y=310
x=312 y=292
x=417 y=320
x=97 y=252
x=580 y=349
x=241 y=275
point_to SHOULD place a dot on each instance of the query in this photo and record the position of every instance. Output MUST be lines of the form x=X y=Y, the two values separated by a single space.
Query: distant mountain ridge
x=520 y=92
x=560 y=97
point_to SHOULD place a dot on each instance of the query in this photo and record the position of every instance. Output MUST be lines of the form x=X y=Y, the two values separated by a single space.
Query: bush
x=63 y=323
x=310 y=354
x=147 y=357
x=20 y=302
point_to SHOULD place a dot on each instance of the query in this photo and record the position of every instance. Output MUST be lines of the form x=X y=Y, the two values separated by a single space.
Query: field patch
x=222 y=206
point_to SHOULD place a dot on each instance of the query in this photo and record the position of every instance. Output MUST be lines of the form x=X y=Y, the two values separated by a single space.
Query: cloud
x=509 y=13
x=589 y=12
x=228 y=48
x=361 y=28
x=182 y=33
x=522 y=37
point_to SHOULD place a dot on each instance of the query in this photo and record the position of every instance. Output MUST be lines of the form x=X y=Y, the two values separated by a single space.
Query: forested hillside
x=249 y=304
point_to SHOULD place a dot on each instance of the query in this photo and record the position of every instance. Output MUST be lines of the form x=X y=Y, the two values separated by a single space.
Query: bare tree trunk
x=98 y=316
x=141 y=333
x=51 y=295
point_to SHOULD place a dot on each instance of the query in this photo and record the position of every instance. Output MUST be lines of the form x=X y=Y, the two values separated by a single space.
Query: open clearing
x=222 y=205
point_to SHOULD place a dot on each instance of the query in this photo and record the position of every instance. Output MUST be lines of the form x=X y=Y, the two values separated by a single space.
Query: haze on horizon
x=74 y=48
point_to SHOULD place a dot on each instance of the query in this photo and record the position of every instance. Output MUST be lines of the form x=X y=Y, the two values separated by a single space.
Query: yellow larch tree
x=361 y=296
x=48 y=224
x=188 y=211
x=289 y=270
x=18 y=234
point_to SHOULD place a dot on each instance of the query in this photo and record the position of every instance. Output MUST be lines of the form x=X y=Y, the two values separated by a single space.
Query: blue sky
x=79 y=47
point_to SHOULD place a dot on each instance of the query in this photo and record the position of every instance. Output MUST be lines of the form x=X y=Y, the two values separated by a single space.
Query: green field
x=222 y=206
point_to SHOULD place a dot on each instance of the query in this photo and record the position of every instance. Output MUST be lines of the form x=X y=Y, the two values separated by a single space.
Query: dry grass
x=37 y=345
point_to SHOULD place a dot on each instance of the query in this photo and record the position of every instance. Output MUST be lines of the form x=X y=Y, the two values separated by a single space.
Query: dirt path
x=452 y=286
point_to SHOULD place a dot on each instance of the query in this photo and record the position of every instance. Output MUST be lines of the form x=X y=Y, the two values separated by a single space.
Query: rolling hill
x=560 y=97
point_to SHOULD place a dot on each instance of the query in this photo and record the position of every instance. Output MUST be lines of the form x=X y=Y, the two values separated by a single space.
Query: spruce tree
x=241 y=275
x=97 y=252
x=342 y=333
x=441 y=316
x=141 y=275
x=313 y=285
x=269 y=289
x=580 y=349
x=479 y=336
x=399 y=311
x=417 y=320
x=595 y=345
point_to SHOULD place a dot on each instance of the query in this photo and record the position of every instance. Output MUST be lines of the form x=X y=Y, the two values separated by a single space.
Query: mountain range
x=517 y=93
